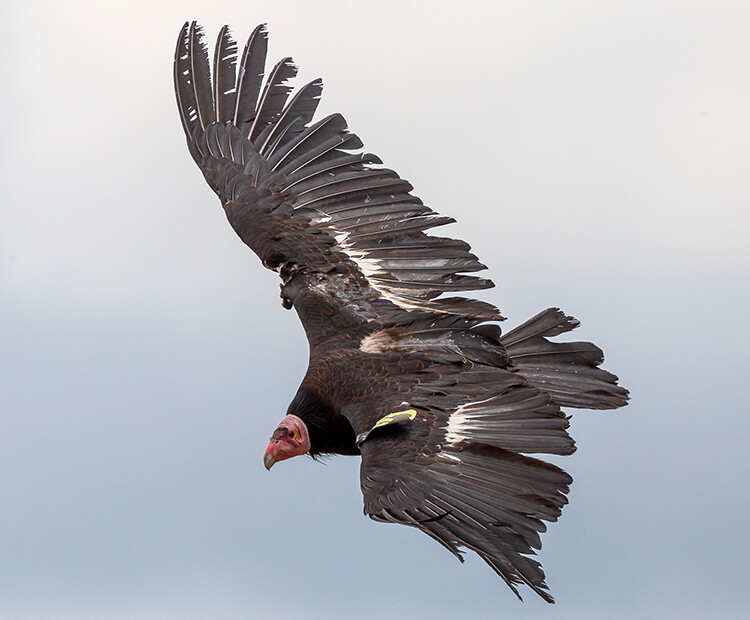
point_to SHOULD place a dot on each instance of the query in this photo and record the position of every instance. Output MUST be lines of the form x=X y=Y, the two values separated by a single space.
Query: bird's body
x=443 y=408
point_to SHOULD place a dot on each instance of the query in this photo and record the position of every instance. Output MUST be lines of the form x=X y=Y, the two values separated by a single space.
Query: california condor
x=443 y=408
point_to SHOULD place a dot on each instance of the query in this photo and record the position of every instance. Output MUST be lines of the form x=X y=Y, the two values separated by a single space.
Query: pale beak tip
x=269 y=460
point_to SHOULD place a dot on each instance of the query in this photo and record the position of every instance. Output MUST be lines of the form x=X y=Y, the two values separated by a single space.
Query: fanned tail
x=568 y=371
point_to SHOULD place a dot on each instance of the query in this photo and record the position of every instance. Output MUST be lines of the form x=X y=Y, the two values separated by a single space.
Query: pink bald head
x=289 y=439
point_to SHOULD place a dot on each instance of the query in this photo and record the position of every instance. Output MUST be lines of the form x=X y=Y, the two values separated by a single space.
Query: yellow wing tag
x=392 y=418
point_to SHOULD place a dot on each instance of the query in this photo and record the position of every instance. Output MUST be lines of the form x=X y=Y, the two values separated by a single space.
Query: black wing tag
x=399 y=417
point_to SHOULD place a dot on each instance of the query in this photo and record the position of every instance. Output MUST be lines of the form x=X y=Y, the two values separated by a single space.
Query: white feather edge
x=459 y=423
x=370 y=268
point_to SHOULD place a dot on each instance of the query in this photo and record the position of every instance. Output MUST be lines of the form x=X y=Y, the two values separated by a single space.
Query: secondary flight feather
x=443 y=408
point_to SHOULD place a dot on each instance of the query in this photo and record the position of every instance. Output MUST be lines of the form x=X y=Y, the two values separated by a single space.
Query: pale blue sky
x=596 y=156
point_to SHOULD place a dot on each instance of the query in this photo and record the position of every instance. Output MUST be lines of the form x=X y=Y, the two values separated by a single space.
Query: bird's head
x=289 y=439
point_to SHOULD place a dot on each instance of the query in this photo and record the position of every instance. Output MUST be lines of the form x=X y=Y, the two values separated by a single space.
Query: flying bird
x=442 y=407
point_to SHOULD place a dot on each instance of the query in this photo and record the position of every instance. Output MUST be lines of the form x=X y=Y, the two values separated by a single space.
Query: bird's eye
x=292 y=434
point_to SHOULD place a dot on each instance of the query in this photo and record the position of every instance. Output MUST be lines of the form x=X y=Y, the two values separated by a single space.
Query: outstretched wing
x=458 y=472
x=296 y=194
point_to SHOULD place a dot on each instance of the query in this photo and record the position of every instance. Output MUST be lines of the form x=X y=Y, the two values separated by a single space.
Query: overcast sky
x=597 y=157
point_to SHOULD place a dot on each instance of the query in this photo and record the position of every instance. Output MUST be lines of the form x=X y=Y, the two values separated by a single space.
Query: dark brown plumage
x=349 y=241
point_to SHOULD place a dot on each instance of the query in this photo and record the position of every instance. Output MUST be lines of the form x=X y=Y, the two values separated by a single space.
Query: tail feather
x=568 y=371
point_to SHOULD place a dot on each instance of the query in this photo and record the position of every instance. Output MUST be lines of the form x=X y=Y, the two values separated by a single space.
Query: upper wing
x=297 y=195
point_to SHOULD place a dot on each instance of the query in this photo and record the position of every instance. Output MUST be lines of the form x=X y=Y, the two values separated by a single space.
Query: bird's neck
x=330 y=432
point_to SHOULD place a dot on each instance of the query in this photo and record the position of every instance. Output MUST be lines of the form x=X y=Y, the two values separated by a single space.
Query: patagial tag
x=392 y=418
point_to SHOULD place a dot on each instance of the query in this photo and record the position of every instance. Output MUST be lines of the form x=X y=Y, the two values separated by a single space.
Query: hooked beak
x=269 y=458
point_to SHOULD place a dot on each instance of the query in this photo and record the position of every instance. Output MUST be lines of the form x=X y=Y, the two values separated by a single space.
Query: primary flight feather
x=443 y=408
